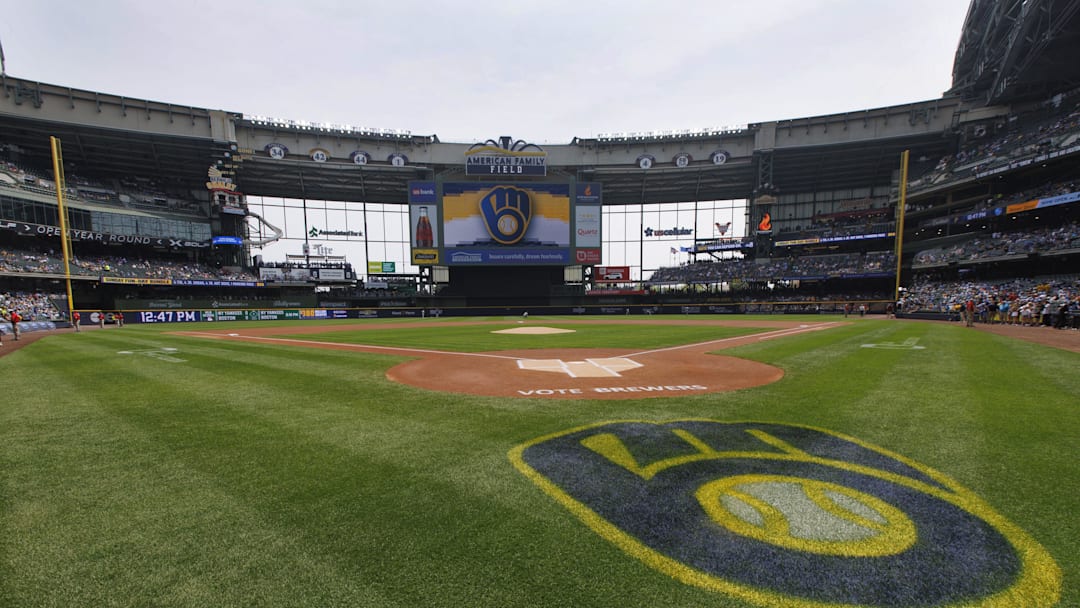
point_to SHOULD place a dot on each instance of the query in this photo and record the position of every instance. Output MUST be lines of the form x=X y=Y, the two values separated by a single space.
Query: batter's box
x=589 y=368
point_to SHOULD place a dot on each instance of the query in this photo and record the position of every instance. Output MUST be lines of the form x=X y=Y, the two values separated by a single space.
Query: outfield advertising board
x=611 y=274
x=376 y=267
x=588 y=224
x=224 y=315
x=332 y=274
x=424 y=235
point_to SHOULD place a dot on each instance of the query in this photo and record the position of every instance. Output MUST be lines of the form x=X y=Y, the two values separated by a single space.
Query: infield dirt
x=562 y=373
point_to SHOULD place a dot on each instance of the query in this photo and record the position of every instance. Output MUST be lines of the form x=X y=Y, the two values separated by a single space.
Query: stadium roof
x=98 y=151
x=809 y=169
x=106 y=136
x=1018 y=50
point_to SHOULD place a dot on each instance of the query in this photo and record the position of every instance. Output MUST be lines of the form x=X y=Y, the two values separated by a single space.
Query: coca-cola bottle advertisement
x=423 y=229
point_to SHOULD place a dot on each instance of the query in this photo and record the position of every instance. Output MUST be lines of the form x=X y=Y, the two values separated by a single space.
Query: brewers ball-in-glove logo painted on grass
x=786 y=515
x=507 y=212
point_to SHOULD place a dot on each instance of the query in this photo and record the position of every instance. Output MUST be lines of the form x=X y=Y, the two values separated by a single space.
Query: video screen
x=505 y=224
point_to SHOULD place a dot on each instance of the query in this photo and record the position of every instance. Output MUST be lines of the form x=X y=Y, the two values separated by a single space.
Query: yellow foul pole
x=58 y=174
x=902 y=204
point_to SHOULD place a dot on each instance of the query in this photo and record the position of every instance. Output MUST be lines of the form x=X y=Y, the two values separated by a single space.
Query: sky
x=545 y=72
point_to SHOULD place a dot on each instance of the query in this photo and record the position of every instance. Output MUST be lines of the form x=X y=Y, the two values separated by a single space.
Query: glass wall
x=647 y=237
x=34 y=212
x=644 y=237
x=362 y=232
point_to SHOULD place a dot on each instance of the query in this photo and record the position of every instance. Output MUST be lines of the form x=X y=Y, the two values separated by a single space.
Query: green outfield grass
x=248 y=474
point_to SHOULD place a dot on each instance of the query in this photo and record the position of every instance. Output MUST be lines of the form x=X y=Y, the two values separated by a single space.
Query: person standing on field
x=75 y=318
x=15 y=318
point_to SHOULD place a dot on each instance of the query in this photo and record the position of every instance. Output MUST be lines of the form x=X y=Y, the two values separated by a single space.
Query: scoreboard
x=505 y=224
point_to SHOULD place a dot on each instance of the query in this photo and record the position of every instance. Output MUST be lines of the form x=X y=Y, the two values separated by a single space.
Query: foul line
x=397 y=349
x=346 y=345
x=769 y=335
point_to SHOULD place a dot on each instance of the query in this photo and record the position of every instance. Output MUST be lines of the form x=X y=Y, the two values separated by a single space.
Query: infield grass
x=480 y=338
x=248 y=474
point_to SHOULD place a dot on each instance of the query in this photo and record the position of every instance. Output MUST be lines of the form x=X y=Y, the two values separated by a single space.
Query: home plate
x=608 y=367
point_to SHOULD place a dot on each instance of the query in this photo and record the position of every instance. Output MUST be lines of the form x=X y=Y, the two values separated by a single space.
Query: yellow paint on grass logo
x=787 y=515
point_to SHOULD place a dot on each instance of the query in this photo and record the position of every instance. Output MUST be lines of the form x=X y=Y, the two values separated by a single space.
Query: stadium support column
x=762 y=200
x=763 y=161
x=641 y=228
x=307 y=244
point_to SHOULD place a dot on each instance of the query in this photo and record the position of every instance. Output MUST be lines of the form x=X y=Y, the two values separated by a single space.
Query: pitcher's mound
x=534 y=330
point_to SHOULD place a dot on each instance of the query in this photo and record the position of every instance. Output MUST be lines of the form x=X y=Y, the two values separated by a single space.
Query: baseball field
x=705 y=461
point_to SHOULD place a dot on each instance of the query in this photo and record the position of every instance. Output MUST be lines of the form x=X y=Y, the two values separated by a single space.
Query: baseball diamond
x=571 y=373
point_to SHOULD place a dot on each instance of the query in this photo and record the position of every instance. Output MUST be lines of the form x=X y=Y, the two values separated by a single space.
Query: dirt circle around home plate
x=585 y=373
x=570 y=373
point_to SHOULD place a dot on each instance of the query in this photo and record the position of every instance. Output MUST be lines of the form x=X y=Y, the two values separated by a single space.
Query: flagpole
x=902 y=203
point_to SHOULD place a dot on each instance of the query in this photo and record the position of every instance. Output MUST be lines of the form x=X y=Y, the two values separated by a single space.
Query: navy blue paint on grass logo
x=787 y=515
x=506 y=211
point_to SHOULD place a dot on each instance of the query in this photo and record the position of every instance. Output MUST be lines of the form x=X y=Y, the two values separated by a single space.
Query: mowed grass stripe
x=1028 y=399
x=233 y=447
x=119 y=497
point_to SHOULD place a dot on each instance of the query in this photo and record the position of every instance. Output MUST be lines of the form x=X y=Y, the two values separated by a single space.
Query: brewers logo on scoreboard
x=506 y=224
x=506 y=211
